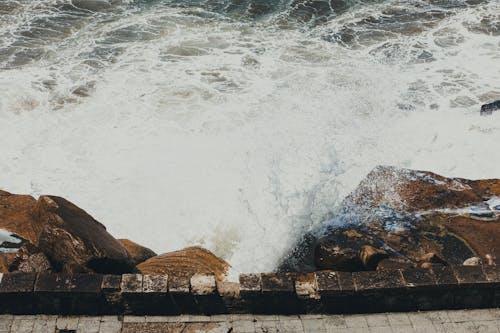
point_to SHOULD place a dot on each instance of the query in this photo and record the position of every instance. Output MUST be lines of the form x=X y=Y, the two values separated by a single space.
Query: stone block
x=180 y=294
x=153 y=327
x=17 y=283
x=378 y=280
x=155 y=284
x=346 y=281
x=203 y=284
x=418 y=277
x=469 y=275
x=16 y=293
x=230 y=294
x=111 y=282
x=250 y=283
x=278 y=294
x=492 y=274
x=131 y=283
x=444 y=276
x=306 y=288
x=328 y=282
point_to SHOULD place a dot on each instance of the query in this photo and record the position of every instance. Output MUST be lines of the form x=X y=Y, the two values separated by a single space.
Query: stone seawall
x=447 y=287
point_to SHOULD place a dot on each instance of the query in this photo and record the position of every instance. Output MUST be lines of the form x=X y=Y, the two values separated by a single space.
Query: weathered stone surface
x=79 y=283
x=136 y=252
x=17 y=283
x=277 y=282
x=418 y=277
x=155 y=283
x=250 y=283
x=131 y=283
x=6 y=261
x=381 y=280
x=306 y=286
x=72 y=239
x=408 y=214
x=16 y=215
x=203 y=284
x=36 y=263
x=186 y=262
x=370 y=256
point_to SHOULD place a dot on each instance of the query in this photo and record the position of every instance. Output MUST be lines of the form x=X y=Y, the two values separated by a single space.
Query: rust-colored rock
x=136 y=252
x=409 y=214
x=331 y=256
x=6 y=261
x=75 y=241
x=370 y=256
x=16 y=215
x=186 y=262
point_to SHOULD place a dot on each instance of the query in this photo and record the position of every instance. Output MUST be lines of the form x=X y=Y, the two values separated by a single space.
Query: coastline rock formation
x=186 y=262
x=405 y=218
x=136 y=252
x=53 y=234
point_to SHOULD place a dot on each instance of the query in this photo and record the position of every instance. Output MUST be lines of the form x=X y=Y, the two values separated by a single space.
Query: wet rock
x=186 y=262
x=474 y=261
x=370 y=256
x=431 y=259
x=76 y=242
x=137 y=253
x=393 y=263
x=410 y=214
x=488 y=109
x=330 y=256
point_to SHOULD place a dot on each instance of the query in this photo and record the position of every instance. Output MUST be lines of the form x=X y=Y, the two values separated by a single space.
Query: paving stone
x=290 y=324
x=6 y=323
x=22 y=325
x=199 y=319
x=207 y=327
x=405 y=329
x=470 y=315
x=381 y=329
x=134 y=319
x=334 y=321
x=89 y=325
x=420 y=319
x=156 y=319
x=45 y=324
x=153 y=327
x=398 y=319
x=313 y=325
x=243 y=326
x=438 y=316
x=110 y=327
x=67 y=323
x=355 y=321
x=267 y=317
x=268 y=326
x=423 y=329
x=110 y=324
x=377 y=320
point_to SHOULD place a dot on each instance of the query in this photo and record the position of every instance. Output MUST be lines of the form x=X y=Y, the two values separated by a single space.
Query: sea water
x=238 y=124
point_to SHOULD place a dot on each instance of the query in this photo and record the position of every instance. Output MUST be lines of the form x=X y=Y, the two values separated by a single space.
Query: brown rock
x=75 y=241
x=16 y=215
x=186 y=262
x=333 y=257
x=136 y=252
x=430 y=259
x=370 y=256
x=36 y=263
x=6 y=261
x=393 y=263
x=410 y=213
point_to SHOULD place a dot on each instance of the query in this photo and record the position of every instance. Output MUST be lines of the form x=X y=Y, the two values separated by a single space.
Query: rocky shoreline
x=394 y=219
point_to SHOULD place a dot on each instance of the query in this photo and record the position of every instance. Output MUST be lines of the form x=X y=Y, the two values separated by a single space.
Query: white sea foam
x=176 y=127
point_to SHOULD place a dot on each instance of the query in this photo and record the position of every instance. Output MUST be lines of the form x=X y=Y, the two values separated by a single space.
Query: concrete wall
x=457 y=287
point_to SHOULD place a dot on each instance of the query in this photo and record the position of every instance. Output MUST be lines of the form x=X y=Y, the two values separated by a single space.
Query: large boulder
x=16 y=215
x=136 y=252
x=74 y=241
x=186 y=262
x=403 y=215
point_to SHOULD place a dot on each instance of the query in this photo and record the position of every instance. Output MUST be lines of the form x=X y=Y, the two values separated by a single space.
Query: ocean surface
x=238 y=124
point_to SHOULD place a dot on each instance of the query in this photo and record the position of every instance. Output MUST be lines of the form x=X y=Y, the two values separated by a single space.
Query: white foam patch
x=237 y=136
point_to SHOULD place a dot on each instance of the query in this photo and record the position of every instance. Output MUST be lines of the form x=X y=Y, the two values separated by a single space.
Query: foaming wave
x=177 y=126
